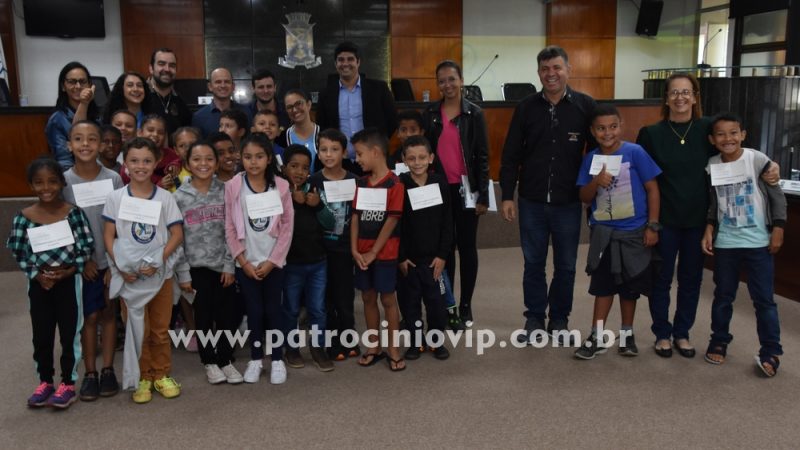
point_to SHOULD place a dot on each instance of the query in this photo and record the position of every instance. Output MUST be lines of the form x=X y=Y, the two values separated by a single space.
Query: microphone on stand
x=703 y=65
x=471 y=94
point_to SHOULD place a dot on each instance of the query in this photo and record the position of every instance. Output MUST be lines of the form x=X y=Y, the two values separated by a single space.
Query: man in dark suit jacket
x=355 y=102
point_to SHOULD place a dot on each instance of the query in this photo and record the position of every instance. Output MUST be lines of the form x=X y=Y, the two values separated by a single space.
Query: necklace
x=682 y=138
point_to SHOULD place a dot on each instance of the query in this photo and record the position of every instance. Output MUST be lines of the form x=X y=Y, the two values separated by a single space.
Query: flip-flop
x=768 y=359
x=396 y=362
x=376 y=357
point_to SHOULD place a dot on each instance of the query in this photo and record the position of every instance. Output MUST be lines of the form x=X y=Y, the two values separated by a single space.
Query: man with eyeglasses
x=221 y=86
x=161 y=96
x=355 y=102
x=265 y=88
x=546 y=140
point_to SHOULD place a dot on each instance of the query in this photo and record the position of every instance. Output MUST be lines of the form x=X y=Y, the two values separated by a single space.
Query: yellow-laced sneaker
x=143 y=393
x=168 y=387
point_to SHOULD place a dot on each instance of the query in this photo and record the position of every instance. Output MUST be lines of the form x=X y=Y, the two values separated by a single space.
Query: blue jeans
x=306 y=282
x=672 y=242
x=760 y=270
x=538 y=223
x=264 y=312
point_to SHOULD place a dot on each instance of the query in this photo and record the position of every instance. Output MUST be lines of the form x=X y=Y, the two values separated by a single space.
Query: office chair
x=517 y=91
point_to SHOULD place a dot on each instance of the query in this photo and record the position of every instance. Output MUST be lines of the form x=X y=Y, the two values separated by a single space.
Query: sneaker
x=556 y=329
x=590 y=348
x=532 y=325
x=413 y=353
x=167 y=387
x=627 y=346
x=108 y=382
x=455 y=323
x=320 y=357
x=191 y=347
x=90 y=387
x=440 y=352
x=294 y=359
x=64 y=396
x=253 y=371
x=278 y=373
x=214 y=374
x=41 y=395
x=232 y=376
x=143 y=393
x=465 y=313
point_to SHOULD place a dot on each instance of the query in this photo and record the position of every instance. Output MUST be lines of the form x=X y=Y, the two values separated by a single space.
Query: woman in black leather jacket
x=456 y=130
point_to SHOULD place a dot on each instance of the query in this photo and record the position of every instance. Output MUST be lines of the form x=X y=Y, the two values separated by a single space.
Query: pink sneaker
x=64 y=396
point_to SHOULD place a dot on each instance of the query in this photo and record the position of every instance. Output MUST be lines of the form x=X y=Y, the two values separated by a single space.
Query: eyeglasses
x=553 y=118
x=77 y=82
x=684 y=93
x=295 y=105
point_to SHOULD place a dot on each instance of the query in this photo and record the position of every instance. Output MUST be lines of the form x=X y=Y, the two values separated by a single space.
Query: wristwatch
x=655 y=226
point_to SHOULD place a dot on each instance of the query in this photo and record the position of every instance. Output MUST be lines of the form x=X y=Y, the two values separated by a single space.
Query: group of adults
x=546 y=139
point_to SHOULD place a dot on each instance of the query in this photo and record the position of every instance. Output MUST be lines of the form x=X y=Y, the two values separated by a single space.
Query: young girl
x=141 y=256
x=259 y=243
x=183 y=138
x=54 y=277
x=154 y=128
x=201 y=202
x=125 y=122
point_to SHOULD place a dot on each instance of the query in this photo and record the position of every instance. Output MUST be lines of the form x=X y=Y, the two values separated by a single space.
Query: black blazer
x=377 y=102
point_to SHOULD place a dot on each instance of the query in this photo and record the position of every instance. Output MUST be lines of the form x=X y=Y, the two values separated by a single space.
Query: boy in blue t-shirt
x=624 y=228
x=748 y=216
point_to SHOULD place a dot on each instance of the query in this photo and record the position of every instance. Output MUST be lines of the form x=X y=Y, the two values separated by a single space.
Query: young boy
x=125 y=122
x=624 y=228
x=267 y=122
x=228 y=155
x=110 y=147
x=339 y=292
x=305 y=272
x=748 y=216
x=84 y=144
x=375 y=240
x=233 y=122
x=425 y=241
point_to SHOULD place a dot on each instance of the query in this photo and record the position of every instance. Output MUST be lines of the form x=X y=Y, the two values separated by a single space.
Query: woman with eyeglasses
x=303 y=130
x=456 y=130
x=128 y=93
x=680 y=147
x=75 y=103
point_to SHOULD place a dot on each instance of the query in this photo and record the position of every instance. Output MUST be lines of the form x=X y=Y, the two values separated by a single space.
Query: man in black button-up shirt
x=543 y=150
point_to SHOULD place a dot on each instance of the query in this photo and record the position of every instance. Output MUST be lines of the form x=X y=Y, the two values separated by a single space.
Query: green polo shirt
x=683 y=181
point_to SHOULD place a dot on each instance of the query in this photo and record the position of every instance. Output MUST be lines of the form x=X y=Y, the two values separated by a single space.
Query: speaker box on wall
x=649 y=17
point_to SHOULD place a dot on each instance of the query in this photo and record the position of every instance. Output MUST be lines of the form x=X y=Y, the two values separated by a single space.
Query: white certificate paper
x=139 y=210
x=400 y=168
x=340 y=191
x=265 y=204
x=48 y=237
x=371 y=199
x=728 y=173
x=612 y=163
x=92 y=194
x=425 y=196
x=469 y=196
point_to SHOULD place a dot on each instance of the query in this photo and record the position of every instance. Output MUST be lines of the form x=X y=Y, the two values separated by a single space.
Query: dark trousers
x=418 y=287
x=60 y=306
x=262 y=299
x=214 y=310
x=466 y=234
x=339 y=293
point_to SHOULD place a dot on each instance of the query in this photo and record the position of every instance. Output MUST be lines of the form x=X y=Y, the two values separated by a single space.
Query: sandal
x=370 y=359
x=396 y=362
x=716 y=349
x=767 y=362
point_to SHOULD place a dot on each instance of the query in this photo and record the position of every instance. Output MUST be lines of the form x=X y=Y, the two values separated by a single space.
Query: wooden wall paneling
x=10 y=49
x=176 y=24
x=417 y=57
x=23 y=141
x=432 y=18
x=497 y=121
x=581 y=18
x=589 y=57
x=634 y=117
x=598 y=88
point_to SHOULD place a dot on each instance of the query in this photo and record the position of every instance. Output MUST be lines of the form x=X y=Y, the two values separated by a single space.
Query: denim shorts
x=380 y=276
x=94 y=298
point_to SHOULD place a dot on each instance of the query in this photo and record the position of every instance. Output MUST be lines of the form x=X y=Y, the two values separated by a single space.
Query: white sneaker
x=253 y=371
x=232 y=375
x=214 y=374
x=278 y=373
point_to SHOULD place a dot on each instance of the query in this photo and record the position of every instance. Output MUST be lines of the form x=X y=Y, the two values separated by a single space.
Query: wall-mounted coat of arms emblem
x=299 y=42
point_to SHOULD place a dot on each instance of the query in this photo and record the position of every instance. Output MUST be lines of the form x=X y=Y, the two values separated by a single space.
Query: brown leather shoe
x=320 y=357
x=294 y=359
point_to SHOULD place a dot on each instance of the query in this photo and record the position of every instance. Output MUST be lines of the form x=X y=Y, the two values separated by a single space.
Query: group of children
x=249 y=231
x=746 y=220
